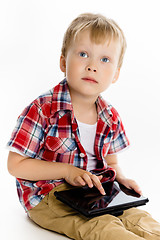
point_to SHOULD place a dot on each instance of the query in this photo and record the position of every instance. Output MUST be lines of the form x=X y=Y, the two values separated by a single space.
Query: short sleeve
x=28 y=133
x=119 y=140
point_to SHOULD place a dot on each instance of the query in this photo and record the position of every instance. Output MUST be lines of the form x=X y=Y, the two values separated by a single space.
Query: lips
x=88 y=79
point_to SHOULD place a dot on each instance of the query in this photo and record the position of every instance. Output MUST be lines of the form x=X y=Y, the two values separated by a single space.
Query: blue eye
x=105 y=60
x=83 y=54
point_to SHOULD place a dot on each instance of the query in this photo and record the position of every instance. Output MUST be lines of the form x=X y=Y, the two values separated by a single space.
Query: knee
x=133 y=216
x=100 y=227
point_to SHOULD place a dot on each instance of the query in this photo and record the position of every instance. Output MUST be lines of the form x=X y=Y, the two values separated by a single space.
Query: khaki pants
x=134 y=224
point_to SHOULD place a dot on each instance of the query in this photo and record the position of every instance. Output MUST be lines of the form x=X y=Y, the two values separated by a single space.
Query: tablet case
x=90 y=203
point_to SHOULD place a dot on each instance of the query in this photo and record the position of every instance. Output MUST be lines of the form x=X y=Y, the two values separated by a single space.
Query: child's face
x=90 y=68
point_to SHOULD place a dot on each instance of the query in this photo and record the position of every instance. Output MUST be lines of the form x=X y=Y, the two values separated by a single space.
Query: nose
x=91 y=66
x=91 y=69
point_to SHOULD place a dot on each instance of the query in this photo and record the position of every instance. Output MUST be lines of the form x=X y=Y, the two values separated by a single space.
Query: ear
x=63 y=63
x=116 y=76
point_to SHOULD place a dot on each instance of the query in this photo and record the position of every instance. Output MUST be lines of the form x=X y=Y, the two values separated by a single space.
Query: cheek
x=72 y=68
x=109 y=72
x=107 y=76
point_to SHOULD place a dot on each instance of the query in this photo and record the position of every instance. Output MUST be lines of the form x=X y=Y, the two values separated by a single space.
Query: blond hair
x=100 y=28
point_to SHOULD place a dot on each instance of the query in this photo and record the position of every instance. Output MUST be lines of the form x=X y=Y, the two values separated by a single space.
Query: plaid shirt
x=47 y=129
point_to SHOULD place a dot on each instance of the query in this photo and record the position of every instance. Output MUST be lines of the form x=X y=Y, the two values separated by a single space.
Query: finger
x=79 y=181
x=87 y=178
x=97 y=184
x=100 y=177
x=135 y=187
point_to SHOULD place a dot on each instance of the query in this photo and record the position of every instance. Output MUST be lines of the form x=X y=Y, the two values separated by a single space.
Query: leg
x=56 y=216
x=106 y=227
x=141 y=223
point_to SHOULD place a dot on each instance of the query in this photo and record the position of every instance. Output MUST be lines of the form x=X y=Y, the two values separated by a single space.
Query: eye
x=105 y=60
x=83 y=54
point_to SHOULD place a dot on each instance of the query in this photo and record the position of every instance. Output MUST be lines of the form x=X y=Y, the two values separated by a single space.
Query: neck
x=84 y=108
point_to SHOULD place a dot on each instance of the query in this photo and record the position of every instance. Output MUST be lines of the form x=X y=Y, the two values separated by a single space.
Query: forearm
x=112 y=161
x=119 y=173
x=35 y=169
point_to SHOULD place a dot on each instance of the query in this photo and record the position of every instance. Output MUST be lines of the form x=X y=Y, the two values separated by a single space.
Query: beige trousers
x=134 y=224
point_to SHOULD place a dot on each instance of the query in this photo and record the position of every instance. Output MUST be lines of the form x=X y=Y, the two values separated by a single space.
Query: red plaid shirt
x=47 y=130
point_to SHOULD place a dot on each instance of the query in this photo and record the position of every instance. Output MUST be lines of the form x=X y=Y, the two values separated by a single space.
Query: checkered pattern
x=47 y=130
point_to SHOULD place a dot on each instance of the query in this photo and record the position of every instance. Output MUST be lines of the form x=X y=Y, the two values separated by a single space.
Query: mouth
x=88 y=79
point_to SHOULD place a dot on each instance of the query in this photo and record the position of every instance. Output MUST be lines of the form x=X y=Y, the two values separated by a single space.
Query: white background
x=31 y=35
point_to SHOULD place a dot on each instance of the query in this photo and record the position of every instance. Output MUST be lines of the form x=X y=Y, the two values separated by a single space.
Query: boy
x=70 y=130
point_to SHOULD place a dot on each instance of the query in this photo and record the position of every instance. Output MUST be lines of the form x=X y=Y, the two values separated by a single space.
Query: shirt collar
x=61 y=97
x=104 y=110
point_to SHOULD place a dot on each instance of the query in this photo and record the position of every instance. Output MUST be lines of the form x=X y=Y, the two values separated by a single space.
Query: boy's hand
x=131 y=184
x=79 y=177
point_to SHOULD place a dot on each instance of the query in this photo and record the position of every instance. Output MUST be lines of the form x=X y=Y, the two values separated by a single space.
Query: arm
x=35 y=169
x=112 y=161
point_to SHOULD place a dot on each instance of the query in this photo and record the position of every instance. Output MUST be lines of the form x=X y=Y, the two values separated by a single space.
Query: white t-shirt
x=87 y=137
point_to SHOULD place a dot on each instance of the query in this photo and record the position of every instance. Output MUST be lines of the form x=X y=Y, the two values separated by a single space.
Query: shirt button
x=73 y=135
x=81 y=155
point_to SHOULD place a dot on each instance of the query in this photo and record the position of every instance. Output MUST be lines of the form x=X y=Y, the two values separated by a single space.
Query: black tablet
x=90 y=203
